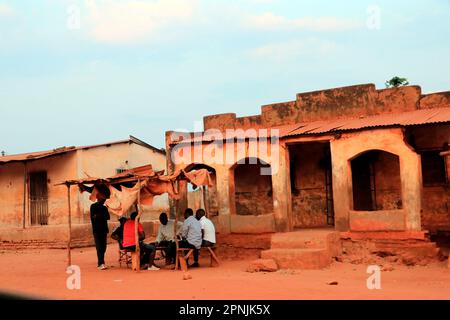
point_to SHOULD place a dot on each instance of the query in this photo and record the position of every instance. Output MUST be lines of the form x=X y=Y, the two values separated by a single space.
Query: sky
x=82 y=72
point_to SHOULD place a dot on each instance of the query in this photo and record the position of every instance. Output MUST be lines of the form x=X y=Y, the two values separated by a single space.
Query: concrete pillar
x=223 y=194
x=411 y=177
x=341 y=176
x=281 y=192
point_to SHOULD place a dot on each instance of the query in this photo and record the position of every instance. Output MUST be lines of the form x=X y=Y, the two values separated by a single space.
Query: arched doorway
x=252 y=188
x=203 y=197
x=376 y=182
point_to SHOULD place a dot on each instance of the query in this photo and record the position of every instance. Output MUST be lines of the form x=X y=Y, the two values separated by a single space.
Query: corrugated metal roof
x=49 y=153
x=35 y=155
x=417 y=117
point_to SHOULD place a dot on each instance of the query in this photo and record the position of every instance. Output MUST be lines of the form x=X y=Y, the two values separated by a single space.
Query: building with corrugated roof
x=357 y=160
x=30 y=196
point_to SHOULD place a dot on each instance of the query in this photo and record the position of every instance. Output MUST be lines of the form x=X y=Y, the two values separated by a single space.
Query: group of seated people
x=193 y=233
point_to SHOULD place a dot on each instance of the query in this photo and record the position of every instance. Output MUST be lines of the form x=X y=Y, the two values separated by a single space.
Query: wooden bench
x=183 y=255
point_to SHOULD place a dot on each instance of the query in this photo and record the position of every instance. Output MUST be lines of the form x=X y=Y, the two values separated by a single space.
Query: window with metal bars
x=38 y=198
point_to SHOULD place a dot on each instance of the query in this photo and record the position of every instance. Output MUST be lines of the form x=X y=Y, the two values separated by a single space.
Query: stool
x=212 y=253
x=124 y=257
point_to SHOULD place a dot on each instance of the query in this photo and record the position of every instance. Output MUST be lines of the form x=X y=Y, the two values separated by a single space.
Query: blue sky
x=86 y=72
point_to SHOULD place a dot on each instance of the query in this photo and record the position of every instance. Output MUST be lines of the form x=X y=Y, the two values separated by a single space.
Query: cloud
x=283 y=51
x=270 y=21
x=118 y=22
x=6 y=10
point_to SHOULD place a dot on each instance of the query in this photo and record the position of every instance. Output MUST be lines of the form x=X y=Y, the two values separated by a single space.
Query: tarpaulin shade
x=121 y=194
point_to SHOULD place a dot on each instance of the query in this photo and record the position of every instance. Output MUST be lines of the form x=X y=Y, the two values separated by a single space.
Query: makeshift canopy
x=137 y=186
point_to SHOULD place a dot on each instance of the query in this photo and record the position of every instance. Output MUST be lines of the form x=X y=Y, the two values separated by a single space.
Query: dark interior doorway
x=311 y=185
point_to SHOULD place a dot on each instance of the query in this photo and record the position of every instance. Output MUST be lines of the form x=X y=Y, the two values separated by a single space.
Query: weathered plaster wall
x=350 y=145
x=59 y=168
x=11 y=194
x=353 y=101
x=435 y=100
x=385 y=220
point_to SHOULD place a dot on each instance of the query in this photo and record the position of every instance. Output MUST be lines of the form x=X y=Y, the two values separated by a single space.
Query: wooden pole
x=175 y=223
x=175 y=233
x=136 y=227
x=177 y=205
x=204 y=200
x=69 y=254
x=25 y=176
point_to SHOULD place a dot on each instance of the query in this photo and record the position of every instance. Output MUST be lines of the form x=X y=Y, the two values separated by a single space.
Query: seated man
x=208 y=230
x=129 y=242
x=117 y=234
x=166 y=237
x=191 y=234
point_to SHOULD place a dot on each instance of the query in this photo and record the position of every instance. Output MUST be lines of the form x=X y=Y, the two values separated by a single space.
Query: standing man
x=192 y=235
x=99 y=220
x=208 y=230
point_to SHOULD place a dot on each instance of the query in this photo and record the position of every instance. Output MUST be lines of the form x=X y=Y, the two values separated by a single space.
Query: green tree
x=396 y=82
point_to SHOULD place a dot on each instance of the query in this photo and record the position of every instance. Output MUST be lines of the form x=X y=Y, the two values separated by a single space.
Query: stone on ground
x=262 y=265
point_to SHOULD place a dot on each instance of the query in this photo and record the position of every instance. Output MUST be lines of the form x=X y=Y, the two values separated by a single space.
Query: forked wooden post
x=69 y=240
x=204 y=200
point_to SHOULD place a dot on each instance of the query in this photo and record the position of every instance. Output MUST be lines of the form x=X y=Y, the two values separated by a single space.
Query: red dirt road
x=42 y=274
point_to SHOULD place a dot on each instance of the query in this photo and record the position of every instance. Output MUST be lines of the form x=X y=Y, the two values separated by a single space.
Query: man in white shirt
x=166 y=238
x=208 y=230
x=192 y=235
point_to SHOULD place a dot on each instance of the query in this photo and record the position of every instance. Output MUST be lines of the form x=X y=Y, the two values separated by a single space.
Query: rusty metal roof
x=49 y=153
x=417 y=117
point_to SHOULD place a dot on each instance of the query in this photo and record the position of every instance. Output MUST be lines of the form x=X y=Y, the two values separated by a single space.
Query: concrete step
x=298 y=240
x=309 y=239
x=306 y=259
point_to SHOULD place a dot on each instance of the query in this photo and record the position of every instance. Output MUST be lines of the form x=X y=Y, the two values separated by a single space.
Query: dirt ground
x=42 y=274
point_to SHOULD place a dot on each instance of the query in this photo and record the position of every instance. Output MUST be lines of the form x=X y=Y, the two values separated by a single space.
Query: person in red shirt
x=129 y=242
